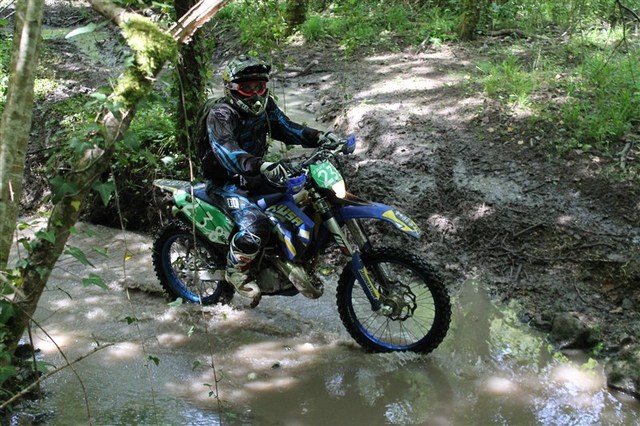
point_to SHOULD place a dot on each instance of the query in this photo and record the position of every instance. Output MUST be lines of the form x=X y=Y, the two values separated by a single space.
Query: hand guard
x=275 y=175
x=329 y=139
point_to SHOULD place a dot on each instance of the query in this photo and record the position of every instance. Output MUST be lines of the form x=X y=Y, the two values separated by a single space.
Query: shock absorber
x=359 y=269
x=322 y=207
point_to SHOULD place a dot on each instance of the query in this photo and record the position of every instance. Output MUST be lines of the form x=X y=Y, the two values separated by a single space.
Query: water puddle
x=290 y=362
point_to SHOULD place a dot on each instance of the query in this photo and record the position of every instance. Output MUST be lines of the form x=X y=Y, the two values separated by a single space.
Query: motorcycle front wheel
x=185 y=265
x=416 y=309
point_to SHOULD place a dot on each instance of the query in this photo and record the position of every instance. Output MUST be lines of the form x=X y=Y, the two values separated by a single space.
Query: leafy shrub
x=508 y=80
x=316 y=28
x=5 y=57
x=261 y=24
x=604 y=98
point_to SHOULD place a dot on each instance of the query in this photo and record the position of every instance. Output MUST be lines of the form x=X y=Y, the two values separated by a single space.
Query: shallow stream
x=289 y=361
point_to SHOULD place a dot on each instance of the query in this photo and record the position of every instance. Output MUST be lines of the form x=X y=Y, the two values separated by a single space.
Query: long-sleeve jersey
x=239 y=141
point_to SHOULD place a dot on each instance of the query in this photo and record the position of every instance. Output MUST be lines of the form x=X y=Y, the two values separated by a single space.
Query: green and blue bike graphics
x=389 y=298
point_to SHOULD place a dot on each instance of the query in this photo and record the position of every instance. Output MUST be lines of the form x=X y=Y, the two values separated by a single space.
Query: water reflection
x=290 y=362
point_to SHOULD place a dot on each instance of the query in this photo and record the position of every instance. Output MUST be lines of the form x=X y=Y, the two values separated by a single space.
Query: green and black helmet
x=245 y=84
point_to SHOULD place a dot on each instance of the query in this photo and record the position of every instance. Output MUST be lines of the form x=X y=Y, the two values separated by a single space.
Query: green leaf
x=99 y=96
x=176 y=303
x=42 y=271
x=60 y=188
x=105 y=189
x=96 y=280
x=7 y=310
x=85 y=30
x=43 y=366
x=101 y=251
x=22 y=263
x=26 y=243
x=48 y=236
x=130 y=320
x=190 y=332
x=131 y=141
x=155 y=359
x=4 y=290
x=150 y=157
x=79 y=255
x=79 y=145
x=7 y=372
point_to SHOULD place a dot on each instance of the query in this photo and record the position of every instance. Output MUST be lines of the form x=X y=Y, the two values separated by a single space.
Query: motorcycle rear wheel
x=184 y=264
x=418 y=300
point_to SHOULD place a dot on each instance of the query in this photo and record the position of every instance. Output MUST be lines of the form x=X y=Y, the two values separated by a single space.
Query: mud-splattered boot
x=237 y=275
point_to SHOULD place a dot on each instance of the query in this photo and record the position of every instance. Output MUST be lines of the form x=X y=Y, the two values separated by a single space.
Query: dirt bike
x=388 y=298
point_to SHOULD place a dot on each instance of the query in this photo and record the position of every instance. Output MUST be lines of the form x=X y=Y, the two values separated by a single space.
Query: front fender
x=383 y=212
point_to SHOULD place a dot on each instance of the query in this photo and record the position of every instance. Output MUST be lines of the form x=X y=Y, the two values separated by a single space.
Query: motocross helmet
x=245 y=84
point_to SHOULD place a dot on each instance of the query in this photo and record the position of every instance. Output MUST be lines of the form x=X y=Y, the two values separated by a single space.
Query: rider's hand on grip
x=329 y=140
x=275 y=175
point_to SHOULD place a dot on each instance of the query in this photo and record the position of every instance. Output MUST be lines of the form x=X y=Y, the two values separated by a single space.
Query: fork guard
x=374 y=210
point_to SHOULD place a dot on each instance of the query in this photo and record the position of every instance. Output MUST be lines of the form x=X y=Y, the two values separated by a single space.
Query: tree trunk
x=469 y=19
x=16 y=117
x=295 y=14
x=153 y=48
x=190 y=75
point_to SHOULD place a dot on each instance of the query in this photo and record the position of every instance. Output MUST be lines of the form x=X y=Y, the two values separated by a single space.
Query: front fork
x=360 y=271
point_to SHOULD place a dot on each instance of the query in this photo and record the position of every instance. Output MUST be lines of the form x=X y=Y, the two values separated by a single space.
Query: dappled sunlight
x=48 y=346
x=61 y=304
x=173 y=340
x=499 y=386
x=494 y=188
x=443 y=224
x=123 y=351
x=256 y=368
x=565 y=220
x=263 y=354
x=97 y=313
x=578 y=378
x=275 y=384
x=481 y=211
x=410 y=86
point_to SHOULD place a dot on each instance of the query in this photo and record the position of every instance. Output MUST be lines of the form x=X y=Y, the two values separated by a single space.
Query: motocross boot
x=237 y=274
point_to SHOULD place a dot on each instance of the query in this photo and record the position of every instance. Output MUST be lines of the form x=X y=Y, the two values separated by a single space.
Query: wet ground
x=289 y=361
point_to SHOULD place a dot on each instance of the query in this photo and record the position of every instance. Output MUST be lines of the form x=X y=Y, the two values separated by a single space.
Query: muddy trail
x=496 y=203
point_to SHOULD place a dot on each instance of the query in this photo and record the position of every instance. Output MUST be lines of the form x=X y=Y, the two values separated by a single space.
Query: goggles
x=250 y=88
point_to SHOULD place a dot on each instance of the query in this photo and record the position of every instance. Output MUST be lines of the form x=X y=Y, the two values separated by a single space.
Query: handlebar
x=344 y=146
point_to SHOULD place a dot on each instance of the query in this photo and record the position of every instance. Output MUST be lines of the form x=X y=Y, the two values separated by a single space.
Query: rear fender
x=195 y=206
x=381 y=211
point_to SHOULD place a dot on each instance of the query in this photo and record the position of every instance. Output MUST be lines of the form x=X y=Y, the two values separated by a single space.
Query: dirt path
x=498 y=205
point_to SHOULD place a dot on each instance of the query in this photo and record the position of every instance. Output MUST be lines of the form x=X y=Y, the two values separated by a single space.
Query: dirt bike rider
x=237 y=127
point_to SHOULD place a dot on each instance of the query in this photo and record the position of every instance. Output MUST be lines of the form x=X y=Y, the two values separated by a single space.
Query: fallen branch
x=579 y=295
x=508 y=32
x=524 y=231
x=623 y=155
x=197 y=16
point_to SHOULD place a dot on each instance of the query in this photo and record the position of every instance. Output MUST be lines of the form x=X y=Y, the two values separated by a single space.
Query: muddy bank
x=552 y=233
